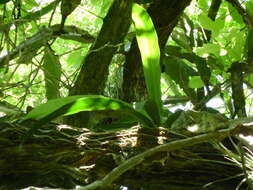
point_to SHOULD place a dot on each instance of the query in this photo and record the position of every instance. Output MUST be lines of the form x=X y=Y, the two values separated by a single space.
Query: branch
x=44 y=35
x=172 y=146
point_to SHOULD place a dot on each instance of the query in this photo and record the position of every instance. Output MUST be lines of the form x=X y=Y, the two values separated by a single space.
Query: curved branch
x=172 y=146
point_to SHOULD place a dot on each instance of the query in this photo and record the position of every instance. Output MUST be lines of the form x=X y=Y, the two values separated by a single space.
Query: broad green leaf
x=201 y=63
x=206 y=22
x=217 y=26
x=74 y=104
x=75 y=59
x=52 y=74
x=234 y=14
x=236 y=49
x=209 y=49
x=172 y=118
x=219 y=23
x=196 y=82
x=150 y=54
x=104 y=7
x=203 y=4
x=209 y=24
x=181 y=39
x=249 y=8
x=180 y=72
x=28 y=6
x=250 y=79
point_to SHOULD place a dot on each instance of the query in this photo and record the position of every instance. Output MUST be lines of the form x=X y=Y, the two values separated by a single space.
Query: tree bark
x=94 y=71
x=63 y=157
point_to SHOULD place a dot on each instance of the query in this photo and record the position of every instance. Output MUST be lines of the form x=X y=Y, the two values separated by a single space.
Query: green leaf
x=209 y=49
x=217 y=26
x=249 y=7
x=203 y=4
x=196 y=82
x=80 y=103
x=236 y=49
x=75 y=59
x=52 y=74
x=75 y=104
x=234 y=14
x=206 y=22
x=150 y=54
x=180 y=72
x=201 y=63
x=181 y=39
x=250 y=79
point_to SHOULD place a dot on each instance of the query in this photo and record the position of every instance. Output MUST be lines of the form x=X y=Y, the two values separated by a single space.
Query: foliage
x=209 y=60
x=206 y=59
x=150 y=54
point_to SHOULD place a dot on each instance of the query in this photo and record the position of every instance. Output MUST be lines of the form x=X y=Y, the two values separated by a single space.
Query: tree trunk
x=94 y=71
x=63 y=157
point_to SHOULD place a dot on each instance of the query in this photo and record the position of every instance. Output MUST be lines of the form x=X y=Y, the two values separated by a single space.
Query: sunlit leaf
x=206 y=22
x=209 y=48
x=250 y=79
x=180 y=38
x=74 y=104
x=234 y=14
x=75 y=59
x=196 y=82
x=52 y=74
x=249 y=7
x=203 y=4
x=150 y=54
x=180 y=72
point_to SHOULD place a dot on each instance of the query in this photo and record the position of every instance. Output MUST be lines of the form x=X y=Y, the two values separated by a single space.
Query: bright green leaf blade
x=249 y=7
x=52 y=74
x=203 y=4
x=51 y=106
x=209 y=48
x=150 y=54
x=74 y=104
x=206 y=22
x=250 y=79
x=75 y=59
x=195 y=82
